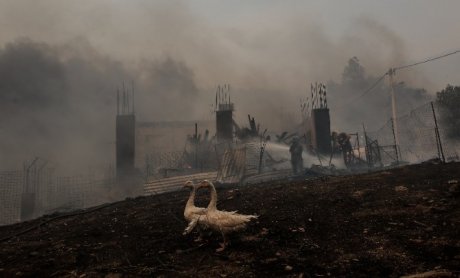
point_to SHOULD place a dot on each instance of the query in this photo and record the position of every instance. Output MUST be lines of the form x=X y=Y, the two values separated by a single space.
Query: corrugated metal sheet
x=175 y=183
x=268 y=176
x=239 y=162
x=252 y=158
x=233 y=166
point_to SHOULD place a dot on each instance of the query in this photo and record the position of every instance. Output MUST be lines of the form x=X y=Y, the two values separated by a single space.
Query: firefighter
x=296 y=156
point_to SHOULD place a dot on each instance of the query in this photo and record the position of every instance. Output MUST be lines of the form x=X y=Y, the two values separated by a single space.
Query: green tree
x=449 y=102
x=354 y=74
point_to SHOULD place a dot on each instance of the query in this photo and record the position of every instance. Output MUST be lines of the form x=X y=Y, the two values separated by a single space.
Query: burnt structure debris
x=316 y=120
x=249 y=133
x=321 y=130
x=224 y=114
x=320 y=120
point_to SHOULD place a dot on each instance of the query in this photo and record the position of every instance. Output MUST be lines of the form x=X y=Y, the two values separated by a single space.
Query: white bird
x=224 y=222
x=191 y=212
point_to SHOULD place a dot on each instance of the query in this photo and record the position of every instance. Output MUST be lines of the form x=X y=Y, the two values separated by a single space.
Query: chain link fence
x=421 y=135
x=48 y=193
x=11 y=184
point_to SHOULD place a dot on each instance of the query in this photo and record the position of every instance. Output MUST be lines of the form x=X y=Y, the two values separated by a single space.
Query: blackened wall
x=321 y=131
x=125 y=146
x=224 y=124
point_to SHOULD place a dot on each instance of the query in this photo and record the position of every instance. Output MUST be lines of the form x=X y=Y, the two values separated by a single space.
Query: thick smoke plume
x=58 y=80
x=355 y=103
x=59 y=102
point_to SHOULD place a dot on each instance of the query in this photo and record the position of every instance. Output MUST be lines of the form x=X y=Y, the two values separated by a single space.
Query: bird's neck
x=191 y=198
x=213 y=202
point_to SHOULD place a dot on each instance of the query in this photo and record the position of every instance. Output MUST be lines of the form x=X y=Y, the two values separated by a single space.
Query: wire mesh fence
x=50 y=193
x=425 y=133
x=449 y=131
x=422 y=134
x=10 y=196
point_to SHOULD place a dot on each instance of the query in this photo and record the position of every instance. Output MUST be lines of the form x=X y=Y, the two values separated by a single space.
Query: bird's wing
x=191 y=212
x=191 y=226
x=231 y=219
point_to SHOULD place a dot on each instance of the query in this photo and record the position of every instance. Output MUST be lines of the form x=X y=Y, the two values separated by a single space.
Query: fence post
x=366 y=149
x=261 y=154
x=394 y=138
x=438 y=138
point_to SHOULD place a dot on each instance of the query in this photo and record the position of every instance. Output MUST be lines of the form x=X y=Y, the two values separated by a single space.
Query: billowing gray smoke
x=355 y=103
x=167 y=90
x=58 y=85
x=59 y=102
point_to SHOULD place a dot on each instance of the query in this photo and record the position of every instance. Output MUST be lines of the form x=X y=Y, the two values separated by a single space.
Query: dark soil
x=388 y=223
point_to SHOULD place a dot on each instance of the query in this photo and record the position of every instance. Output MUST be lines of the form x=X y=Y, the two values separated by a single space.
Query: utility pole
x=438 y=138
x=391 y=73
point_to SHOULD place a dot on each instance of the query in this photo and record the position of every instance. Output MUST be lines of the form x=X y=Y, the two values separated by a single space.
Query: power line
x=427 y=60
x=368 y=90
x=393 y=70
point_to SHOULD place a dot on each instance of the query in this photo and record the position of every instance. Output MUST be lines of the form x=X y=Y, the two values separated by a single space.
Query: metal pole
x=391 y=73
x=366 y=149
x=437 y=141
x=394 y=138
x=261 y=153
x=442 y=157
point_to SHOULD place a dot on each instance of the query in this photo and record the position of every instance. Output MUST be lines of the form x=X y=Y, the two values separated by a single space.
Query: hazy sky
x=428 y=28
x=143 y=29
x=421 y=21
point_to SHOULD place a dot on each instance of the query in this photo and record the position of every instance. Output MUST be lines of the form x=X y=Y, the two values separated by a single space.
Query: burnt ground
x=388 y=223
